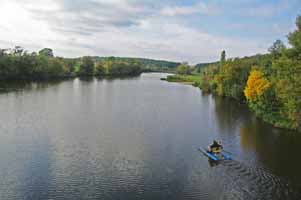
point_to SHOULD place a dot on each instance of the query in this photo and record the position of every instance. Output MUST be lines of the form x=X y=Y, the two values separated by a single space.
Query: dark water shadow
x=86 y=78
x=21 y=86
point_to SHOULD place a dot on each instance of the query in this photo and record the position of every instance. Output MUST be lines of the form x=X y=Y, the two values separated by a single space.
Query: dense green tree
x=2 y=52
x=46 y=52
x=287 y=82
x=294 y=38
x=22 y=65
x=208 y=82
x=277 y=48
x=18 y=50
x=181 y=69
x=184 y=68
x=86 y=66
x=100 y=70
x=231 y=79
x=117 y=68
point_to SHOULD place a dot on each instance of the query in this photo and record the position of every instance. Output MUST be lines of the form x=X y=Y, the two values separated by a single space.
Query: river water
x=137 y=138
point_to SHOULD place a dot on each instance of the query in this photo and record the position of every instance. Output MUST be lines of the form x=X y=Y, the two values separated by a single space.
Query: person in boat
x=215 y=147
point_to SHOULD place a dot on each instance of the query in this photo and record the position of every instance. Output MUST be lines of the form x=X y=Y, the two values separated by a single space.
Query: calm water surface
x=137 y=138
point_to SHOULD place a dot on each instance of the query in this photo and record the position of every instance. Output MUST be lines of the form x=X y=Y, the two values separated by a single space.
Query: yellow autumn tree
x=256 y=85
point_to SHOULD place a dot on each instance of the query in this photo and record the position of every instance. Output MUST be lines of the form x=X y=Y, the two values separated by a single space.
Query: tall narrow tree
x=277 y=48
x=223 y=57
x=294 y=38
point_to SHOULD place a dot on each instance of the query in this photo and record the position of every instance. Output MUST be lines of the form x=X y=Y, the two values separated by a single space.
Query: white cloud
x=20 y=27
x=200 y=8
x=170 y=41
x=101 y=27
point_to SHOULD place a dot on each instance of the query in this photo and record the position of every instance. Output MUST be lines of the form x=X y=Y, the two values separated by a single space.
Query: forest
x=270 y=84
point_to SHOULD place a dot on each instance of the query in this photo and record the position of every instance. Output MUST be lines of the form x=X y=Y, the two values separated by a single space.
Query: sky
x=191 y=31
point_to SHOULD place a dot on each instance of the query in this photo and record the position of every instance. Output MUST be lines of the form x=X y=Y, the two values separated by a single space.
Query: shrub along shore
x=270 y=84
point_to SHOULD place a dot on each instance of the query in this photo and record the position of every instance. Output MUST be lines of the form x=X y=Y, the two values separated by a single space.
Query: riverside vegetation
x=19 y=64
x=270 y=84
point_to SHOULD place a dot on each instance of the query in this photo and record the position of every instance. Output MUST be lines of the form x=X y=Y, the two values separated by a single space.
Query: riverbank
x=192 y=79
x=196 y=80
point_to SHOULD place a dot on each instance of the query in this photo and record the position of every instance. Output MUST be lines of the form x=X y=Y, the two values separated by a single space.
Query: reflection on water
x=21 y=86
x=137 y=138
x=277 y=149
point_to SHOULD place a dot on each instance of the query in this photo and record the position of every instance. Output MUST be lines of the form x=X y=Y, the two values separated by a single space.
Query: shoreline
x=195 y=81
x=192 y=79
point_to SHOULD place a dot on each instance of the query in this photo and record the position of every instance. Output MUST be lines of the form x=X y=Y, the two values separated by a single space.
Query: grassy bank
x=192 y=79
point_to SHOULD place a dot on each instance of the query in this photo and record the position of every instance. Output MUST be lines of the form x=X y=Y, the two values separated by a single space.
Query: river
x=137 y=138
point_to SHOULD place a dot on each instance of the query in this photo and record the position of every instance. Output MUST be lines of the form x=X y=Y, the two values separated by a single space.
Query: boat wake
x=244 y=182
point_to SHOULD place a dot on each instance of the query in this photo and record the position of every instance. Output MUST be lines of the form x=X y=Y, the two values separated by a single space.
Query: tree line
x=19 y=64
x=147 y=64
x=270 y=83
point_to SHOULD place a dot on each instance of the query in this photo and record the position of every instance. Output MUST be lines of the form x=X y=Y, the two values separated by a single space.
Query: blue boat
x=214 y=156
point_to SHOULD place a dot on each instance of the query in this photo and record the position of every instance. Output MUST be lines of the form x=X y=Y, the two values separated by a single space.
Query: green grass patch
x=192 y=79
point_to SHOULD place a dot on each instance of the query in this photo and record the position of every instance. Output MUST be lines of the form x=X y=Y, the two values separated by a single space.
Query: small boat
x=214 y=156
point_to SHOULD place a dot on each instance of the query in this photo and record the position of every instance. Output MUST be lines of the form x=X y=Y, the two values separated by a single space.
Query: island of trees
x=19 y=64
x=270 y=84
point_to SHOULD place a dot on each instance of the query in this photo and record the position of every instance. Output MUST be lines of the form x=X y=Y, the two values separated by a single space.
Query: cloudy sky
x=186 y=30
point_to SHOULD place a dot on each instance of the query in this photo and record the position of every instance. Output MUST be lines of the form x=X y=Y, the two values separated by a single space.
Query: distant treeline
x=19 y=64
x=270 y=83
x=149 y=64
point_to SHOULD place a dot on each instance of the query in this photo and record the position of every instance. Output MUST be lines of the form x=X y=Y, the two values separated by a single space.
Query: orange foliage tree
x=256 y=85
